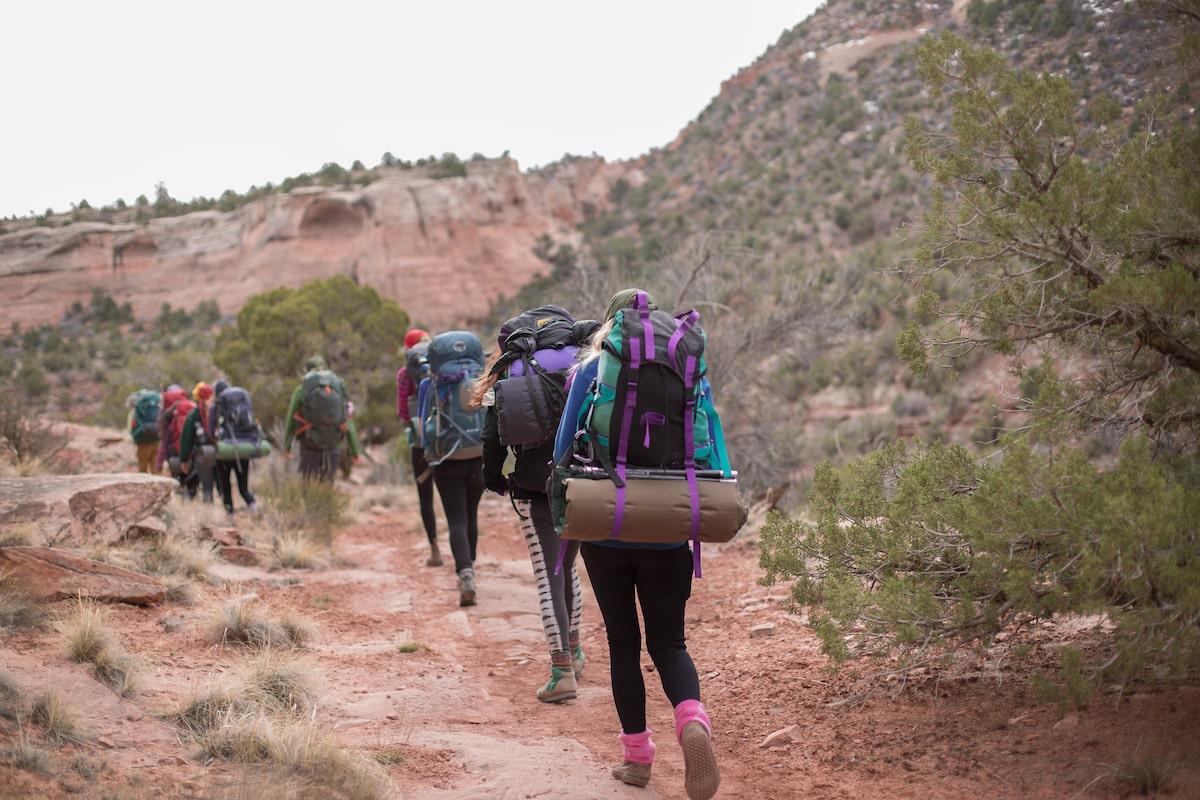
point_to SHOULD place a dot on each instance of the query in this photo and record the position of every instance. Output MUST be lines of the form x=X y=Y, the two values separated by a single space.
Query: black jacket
x=528 y=479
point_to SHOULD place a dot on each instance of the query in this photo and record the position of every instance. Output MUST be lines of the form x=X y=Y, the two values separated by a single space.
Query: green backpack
x=322 y=410
x=147 y=405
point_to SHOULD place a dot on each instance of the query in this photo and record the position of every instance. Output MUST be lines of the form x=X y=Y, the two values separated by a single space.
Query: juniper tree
x=1070 y=235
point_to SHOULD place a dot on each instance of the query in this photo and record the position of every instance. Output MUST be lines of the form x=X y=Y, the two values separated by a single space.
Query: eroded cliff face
x=444 y=249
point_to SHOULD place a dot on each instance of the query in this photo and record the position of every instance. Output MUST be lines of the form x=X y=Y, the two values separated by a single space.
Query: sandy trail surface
x=461 y=707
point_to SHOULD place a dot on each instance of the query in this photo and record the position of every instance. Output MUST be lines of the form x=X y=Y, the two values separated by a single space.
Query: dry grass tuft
x=90 y=640
x=1146 y=774
x=11 y=698
x=299 y=749
x=291 y=504
x=180 y=590
x=272 y=683
x=297 y=551
x=174 y=554
x=24 y=754
x=240 y=621
x=17 y=608
x=57 y=720
x=16 y=536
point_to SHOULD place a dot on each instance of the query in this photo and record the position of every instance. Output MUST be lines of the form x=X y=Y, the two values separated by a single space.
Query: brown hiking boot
x=633 y=773
x=701 y=777
x=435 y=556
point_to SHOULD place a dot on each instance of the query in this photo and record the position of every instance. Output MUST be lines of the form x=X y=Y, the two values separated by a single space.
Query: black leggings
x=460 y=484
x=425 y=492
x=224 y=472
x=662 y=583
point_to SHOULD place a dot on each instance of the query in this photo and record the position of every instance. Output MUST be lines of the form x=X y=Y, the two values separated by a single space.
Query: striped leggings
x=559 y=596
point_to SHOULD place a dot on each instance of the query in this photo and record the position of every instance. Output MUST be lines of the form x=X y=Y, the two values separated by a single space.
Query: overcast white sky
x=104 y=99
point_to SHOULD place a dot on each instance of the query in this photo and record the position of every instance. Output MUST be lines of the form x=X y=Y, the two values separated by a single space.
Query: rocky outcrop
x=81 y=509
x=457 y=243
x=46 y=573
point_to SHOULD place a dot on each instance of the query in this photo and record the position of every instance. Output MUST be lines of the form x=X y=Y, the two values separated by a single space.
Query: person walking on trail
x=523 y=393
x=233 y=423
x=176 y=407
x=627 y=574
x=318 y=417
x=408 y=381
x=197 y=449
x=451 y=431
x=145 y=406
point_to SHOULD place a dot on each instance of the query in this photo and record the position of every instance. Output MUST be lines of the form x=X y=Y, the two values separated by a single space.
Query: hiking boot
x=701 y=777
x=633 y=773
x=560 y=688
x=466 y=587
x=578 y=660
x=435 y=556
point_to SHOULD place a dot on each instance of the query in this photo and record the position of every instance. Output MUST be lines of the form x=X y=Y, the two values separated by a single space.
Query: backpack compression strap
x=689 y=451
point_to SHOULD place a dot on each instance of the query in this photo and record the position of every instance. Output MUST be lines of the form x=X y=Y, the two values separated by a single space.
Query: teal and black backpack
x=147 y=405
x=451 y=423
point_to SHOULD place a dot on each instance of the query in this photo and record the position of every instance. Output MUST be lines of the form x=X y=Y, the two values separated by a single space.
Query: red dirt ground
x=463 y=714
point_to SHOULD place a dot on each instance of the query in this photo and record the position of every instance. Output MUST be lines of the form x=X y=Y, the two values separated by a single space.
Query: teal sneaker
x=560 y=688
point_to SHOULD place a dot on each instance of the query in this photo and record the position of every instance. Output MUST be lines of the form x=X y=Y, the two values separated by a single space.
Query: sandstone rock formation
x=465 y=241
x=81 y=509
x=46 y=573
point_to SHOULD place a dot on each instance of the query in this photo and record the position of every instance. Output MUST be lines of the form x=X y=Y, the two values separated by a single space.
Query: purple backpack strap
x=689 y=444
x=684 y=323
x=631 y=386
x=643 y=308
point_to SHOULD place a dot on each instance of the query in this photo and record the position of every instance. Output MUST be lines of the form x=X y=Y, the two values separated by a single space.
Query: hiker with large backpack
x=171 y=423
x=641 y=471
x=239 y=440
x=452 y=433
x=144 y=406
x=523 y=392
x=197 y=449
x=408 y=381
x=319 y=418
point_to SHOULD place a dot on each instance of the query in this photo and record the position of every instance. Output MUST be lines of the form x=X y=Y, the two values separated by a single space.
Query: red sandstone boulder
x=47 y=573
x=82 y=509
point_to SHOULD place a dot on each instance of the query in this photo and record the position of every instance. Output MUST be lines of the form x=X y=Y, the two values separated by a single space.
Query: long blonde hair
x=595 y=345
x=484 y=383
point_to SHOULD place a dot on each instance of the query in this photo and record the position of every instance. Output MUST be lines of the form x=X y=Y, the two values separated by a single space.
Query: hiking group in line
x=618 y=458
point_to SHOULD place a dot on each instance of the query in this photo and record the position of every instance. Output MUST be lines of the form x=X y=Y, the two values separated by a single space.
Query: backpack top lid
x=451 y=353
x=540 y=329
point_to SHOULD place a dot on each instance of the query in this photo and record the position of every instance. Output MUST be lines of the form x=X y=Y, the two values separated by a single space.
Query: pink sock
x=639 y=748
x=691 y=711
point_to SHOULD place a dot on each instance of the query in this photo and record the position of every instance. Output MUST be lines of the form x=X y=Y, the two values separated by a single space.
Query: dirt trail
x=463 y=713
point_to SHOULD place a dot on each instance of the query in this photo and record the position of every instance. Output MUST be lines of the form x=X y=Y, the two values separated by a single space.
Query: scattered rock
x=82 y=509
x=780 y=737
x=149 y=527
x=51 y=574
x=237 y=554
x=763 y=630
x=228 y=537
x=171 y=624
x=135 y=715
x=1068 y=723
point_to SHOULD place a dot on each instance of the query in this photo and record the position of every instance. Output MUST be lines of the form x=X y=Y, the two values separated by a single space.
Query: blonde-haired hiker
x=523 y=392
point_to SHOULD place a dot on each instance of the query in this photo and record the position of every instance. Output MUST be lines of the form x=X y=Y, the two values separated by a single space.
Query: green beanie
x=315 y=363
x=625 y=298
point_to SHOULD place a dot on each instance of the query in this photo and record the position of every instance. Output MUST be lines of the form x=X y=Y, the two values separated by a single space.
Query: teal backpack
x=147 y=405
x=451 y=425
x=322 y=410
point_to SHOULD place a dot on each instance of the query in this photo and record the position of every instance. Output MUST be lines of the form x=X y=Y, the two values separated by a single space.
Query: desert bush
x=351 y=325
x=915 y=549
x=26 y=442
x=57 y=720
x=91 y=640
x=241 y=621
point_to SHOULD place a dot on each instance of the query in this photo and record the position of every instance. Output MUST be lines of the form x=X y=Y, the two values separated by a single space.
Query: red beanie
x=414 y=337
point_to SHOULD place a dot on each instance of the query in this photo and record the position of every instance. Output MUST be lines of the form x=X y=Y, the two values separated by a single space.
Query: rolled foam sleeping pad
x=656 y=511
x=240 y=451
